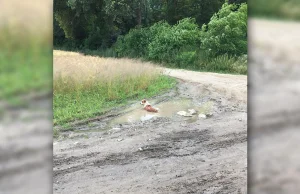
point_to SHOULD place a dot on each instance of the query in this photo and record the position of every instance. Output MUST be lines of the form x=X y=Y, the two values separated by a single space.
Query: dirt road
x=274 y=111
x=163 y=154
x=26 y=148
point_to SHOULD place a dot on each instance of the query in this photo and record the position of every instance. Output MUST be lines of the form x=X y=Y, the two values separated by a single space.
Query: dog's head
x=144 y=101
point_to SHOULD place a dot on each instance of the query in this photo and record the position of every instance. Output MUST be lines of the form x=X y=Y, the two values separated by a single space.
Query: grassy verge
x=25 y=66
x=86 y=86
x=219 y=64
x=23 y=73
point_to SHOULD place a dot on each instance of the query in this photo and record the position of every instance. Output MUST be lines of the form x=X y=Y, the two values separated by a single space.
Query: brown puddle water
x=166 y=109
x=136 y=113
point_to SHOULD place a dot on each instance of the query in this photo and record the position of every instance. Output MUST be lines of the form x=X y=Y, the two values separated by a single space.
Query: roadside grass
x=223 y=64
x=23 y=72
x=25 y=52
x=86 y=86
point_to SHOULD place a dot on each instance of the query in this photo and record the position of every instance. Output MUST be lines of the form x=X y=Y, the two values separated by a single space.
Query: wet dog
x=147 y=106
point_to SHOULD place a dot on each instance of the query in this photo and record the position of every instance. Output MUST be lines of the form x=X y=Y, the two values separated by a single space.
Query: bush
x=226 y=33
x=186 y=59
x=136 y=42
x=167 y=44
x=162 y=42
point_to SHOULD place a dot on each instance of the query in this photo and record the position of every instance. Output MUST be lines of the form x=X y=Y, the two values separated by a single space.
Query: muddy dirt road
x=166 y=153
x=274 y=112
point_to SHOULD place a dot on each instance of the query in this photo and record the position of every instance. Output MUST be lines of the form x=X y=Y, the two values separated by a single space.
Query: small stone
x=181 y=113
x=140 y=149
x=184 y=113
x=209 y=114
x=203 y=116
x=120 y=139
x=76 y=143
x=240 y=119
x=192 y=111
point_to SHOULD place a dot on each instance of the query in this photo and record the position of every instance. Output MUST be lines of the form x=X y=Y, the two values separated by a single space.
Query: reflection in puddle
x=147 y=117
x=166 y=109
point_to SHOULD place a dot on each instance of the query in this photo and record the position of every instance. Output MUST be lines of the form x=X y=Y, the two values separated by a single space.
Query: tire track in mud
x=205 y=183
x=167 y=145
x=26 y=147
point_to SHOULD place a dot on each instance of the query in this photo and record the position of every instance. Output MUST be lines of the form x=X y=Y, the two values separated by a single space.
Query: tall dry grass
x=86 y=85
x=111 y=77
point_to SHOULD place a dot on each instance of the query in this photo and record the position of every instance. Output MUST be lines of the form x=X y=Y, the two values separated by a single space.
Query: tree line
x=94 y=24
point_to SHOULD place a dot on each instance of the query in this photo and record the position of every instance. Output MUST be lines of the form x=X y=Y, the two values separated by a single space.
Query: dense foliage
x=215 y=47
x=96 y=24
x=207 y=35
x=226 y=33
x=162 y=42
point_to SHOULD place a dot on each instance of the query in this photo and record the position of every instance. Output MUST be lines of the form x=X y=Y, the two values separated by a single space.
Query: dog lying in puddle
x=148 y=107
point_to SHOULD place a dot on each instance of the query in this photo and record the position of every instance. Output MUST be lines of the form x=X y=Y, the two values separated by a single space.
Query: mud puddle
x=136 y=113
x=166 y=109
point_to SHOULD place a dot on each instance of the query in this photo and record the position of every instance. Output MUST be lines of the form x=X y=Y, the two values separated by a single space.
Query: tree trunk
x=139 y=15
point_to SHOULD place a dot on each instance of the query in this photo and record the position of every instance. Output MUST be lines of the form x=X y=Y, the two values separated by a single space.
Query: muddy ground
x=164 y=154
x=26 y=147
x=274 y=111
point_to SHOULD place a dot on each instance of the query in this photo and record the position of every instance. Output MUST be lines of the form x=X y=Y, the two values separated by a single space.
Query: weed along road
x=128 y=150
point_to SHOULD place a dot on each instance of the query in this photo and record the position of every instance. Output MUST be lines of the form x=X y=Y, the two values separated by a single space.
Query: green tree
x=226 y=33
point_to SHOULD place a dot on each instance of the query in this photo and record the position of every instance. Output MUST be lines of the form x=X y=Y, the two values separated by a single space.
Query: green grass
x=24 y=72
x=25 y=67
